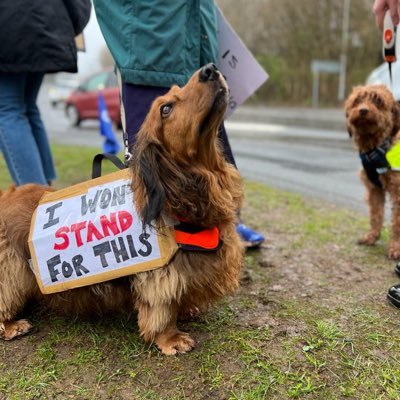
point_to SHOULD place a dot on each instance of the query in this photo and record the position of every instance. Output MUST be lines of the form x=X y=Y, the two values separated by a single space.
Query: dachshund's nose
x=208 y=73
x=363 y=111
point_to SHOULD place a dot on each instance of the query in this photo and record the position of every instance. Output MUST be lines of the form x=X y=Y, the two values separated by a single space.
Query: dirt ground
x=309 y=321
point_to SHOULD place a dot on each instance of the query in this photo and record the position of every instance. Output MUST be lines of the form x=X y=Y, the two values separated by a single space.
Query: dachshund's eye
x=165 y=110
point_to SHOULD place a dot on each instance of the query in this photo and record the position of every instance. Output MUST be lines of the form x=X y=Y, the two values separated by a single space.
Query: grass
x=309 y=322
x=73 y=165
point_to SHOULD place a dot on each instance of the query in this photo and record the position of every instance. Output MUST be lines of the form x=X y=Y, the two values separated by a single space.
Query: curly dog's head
x=372 y=115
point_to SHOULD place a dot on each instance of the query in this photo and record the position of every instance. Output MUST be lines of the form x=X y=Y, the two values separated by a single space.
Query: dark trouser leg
x=137 y=100
x=226 y=147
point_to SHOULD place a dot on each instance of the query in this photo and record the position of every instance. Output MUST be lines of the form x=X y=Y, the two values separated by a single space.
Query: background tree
x=286 y=36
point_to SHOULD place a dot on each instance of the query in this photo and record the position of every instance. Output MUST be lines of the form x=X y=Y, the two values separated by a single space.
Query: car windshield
x=97 y=82
x=112 y=80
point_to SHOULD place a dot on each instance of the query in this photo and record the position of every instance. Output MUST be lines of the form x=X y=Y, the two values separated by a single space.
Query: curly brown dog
x=178 y=171
x=373 y=122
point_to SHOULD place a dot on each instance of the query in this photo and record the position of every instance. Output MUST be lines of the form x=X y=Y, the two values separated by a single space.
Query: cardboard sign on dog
x=91 y=233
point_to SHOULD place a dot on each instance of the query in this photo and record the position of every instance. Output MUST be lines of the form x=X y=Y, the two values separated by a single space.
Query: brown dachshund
x=178 y=171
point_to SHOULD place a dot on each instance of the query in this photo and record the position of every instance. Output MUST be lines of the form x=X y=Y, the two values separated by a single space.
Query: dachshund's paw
x=394 y=251
x=12 y=329
x=180 y=342
x=191 y=314
x=368 y=240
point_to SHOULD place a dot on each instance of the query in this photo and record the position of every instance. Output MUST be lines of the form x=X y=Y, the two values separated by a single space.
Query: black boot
x=393 y=295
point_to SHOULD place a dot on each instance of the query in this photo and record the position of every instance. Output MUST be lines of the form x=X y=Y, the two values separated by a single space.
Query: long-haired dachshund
x=373 y=122
x=179 y=172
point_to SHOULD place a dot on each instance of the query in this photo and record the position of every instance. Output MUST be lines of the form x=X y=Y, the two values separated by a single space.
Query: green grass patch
x=73 y=165
x=309 y=322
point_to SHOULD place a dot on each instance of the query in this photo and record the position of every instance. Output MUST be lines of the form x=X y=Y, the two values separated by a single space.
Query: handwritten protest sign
x=90 y=233
x=241 y=70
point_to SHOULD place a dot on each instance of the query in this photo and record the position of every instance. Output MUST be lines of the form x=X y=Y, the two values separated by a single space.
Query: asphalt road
x=317 y=162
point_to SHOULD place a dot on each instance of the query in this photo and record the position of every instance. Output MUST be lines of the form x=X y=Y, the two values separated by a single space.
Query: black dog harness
x=375 y=163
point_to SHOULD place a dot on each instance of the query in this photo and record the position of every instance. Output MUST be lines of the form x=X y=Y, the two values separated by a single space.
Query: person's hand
x=381 y=6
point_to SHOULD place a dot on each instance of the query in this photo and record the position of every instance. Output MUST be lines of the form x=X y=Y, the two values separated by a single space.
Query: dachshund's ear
x=147 y=182
x=396 y=118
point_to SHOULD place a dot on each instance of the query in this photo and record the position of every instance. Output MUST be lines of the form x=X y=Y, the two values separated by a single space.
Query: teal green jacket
x=159 y=43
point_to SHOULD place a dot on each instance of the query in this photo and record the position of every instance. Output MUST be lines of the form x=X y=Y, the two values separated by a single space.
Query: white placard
x=241 y=70
x=91 y=237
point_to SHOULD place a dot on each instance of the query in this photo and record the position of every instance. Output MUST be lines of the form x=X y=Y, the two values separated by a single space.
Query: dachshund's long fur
x=178 y=171
x=373 y=116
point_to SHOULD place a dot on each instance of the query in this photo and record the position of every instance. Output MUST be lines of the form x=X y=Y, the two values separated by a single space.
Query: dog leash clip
x=127 y=155
x=389 y=42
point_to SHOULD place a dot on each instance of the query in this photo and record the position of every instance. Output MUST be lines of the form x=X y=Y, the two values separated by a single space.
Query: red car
x=82 y=103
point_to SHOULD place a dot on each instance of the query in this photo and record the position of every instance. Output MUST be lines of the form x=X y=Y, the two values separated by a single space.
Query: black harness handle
x=97 y=160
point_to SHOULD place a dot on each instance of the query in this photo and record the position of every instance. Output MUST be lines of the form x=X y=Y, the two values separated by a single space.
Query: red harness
x=195 y=238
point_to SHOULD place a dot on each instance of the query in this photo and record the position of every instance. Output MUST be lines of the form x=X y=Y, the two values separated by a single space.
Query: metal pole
x=315 y=90
x=343 y=55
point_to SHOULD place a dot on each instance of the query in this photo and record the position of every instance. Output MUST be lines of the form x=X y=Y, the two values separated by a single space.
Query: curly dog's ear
x=348 y=126
x=396 y=118
x=349 y=132
x=347 y=107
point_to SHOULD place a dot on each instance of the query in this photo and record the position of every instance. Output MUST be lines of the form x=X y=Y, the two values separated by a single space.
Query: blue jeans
x=23 y=137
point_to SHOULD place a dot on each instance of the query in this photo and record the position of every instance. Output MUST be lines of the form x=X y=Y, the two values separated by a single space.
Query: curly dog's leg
x=375 y=198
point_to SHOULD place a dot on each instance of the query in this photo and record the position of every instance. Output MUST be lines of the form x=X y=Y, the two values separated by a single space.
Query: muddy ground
x=309 y=321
